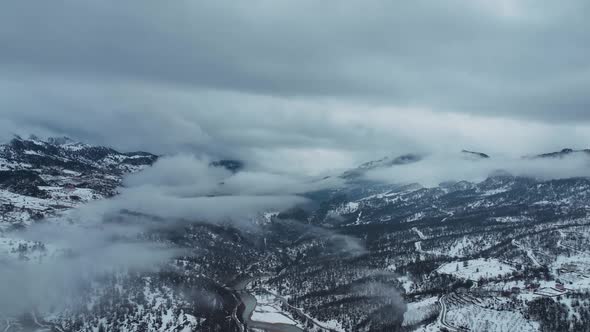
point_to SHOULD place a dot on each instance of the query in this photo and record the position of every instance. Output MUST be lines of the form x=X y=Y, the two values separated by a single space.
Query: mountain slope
x=39 y=178
x=506 y=253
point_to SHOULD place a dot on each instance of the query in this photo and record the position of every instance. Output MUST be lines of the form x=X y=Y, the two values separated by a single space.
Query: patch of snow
x=415 y=217
x=477 y=268
x=420 y=234
x=476 y=318
x=268 y=314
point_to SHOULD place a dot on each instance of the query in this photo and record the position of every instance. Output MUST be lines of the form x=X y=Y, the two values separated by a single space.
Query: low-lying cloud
x=55 y=259
x=392 y=304
x=435 y=169
x=109 y=235
x=187 y=187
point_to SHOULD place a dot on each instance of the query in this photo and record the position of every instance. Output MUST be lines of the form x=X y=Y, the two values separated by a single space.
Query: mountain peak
x=475 y=154
x=36 y=140
x=41 y=177
x=560 y=154
x=385 y=162
x=62 y=152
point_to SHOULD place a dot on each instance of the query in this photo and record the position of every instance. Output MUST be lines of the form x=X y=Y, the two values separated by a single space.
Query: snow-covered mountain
x=509 y=253
x=380 y=163
x=564 y=153
x=405 y=159
x=475 y=154
x=39 y=178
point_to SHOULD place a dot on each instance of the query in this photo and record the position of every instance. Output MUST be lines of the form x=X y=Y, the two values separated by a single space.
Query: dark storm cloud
x=311 y=80
x=509 y=57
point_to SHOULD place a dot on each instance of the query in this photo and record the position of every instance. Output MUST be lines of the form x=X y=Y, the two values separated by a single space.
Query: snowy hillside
x=41 y=178
x=509 y=253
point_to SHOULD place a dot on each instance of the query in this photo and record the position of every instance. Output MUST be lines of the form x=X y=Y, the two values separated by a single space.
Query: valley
x=505 y=254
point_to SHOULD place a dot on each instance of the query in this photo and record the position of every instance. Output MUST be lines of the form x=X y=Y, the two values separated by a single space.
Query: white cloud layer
x=435 y=169
x=302 y=86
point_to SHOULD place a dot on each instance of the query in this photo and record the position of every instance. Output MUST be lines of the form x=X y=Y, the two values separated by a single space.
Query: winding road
x=249 y=302
x=420 y=234
x=560 y=244
x=442 y=318
x=316 y=323
x=529 y=252
x=418 y=244
x=34 y=316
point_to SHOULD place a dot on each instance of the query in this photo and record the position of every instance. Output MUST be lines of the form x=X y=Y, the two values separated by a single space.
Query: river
x=250 y=303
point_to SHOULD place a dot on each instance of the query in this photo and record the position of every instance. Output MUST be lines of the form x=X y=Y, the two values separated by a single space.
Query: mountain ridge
x=59 y=174
x=366 y=257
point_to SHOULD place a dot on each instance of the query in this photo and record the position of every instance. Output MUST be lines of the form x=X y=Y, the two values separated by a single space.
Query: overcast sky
x=299 y=85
